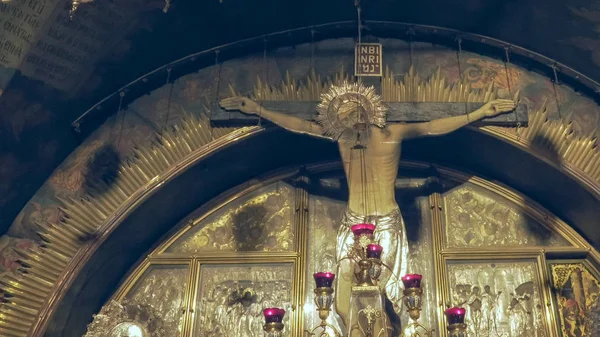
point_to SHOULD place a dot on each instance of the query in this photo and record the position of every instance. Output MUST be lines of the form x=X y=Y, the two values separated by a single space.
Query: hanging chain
x=509 y=85
x=358 y=10
x=554 y=83
x=121 y=95
x=266 y=74
x=359 y=27
x=170 y=97
x=312 y=50
x=363 y=180
x=411 y=34
x=219 y=67
x=460 y=75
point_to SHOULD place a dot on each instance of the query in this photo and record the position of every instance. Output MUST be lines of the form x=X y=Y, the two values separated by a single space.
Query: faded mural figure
x=349 y=116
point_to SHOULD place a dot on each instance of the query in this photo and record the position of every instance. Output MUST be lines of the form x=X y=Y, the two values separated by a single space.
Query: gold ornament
x=350 y=107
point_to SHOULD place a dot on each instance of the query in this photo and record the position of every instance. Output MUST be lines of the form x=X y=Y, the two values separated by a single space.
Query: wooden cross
x=397 y=113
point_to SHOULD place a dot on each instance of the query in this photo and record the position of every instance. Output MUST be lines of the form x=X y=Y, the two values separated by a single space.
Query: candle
x=274 y=315
x=363 y=229
x=374 y=251
x=412 y=280
x=455 y=315
x=324 y=279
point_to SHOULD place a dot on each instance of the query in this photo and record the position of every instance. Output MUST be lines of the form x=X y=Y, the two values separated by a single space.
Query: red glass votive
x=324 y=279
x=363 y=229
x=273 y=315
x=455 y=315
x=374 y=251
x=412 y=280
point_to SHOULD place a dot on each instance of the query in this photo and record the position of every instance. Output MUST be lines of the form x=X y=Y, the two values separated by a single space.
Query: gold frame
x=251 y=260
x=539 y=261
x=222 y=200
x=442 y=254
x=145 y=266
x=529 y=207
x=194 y=261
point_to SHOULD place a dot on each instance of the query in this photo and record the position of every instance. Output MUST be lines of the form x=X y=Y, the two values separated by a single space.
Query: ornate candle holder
x=374 y=256
x=413 y=295
x=456 y=322
x=363 y=236
x=273 y=322
x=413 y=302
x=324 y=301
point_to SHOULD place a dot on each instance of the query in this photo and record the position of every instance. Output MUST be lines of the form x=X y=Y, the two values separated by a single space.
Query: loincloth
x=389 y=233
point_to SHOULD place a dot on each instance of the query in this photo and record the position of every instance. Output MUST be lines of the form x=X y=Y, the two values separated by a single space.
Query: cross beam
x=397 y=113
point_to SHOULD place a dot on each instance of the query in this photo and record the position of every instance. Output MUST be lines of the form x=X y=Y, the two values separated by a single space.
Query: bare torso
x=372 y=186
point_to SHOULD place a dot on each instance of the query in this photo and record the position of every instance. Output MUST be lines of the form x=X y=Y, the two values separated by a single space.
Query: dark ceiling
x=132 y=37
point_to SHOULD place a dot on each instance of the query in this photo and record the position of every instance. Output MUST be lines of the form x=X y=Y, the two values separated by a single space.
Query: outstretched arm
x=443 y=126
x=291 y=123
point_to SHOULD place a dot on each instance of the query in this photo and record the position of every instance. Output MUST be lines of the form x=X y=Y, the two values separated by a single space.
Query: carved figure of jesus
x=371 y=175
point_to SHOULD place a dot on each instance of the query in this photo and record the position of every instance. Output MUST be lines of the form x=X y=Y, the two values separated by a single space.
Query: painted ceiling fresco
x=53 y=68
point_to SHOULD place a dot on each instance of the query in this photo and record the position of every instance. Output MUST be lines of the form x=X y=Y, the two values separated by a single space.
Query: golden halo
x=349 y=106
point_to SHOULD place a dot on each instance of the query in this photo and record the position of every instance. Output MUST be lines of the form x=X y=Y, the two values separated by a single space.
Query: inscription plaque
x=367 y=59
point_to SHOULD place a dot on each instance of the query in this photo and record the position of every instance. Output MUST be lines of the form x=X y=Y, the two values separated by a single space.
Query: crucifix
x=369 y=134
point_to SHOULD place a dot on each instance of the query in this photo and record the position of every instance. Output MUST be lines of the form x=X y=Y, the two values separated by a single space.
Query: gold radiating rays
x=27 y=290
x=543 y=134
x=329 y=110
x=412 y=88
x=557 y=141
x=42 y=266
x=291 y=89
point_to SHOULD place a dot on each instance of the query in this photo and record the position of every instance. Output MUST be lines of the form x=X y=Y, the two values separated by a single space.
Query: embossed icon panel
x=475 y=218
x=163 y=287
x=577 y=293
x=502 y=299
x=231 y=298
x=262 y=220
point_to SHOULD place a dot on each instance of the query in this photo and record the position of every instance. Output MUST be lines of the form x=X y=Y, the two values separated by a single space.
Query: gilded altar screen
x=478 y=218
x=232 y=298
x=258 y=231
x=163 y=288
x=262 y=220
x=502 y=299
